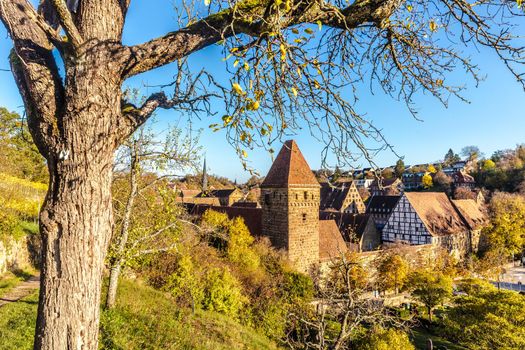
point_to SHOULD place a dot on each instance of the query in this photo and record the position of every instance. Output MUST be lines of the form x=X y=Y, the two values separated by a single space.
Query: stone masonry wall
x=14 y=254
x=303 y=218
x=290 y=218
x=274 y=203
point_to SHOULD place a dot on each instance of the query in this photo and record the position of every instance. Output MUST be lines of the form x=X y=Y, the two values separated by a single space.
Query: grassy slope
x=143 y=319
x=419 y=339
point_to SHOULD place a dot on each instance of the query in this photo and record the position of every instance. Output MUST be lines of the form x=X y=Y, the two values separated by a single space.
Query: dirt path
x=20 y=291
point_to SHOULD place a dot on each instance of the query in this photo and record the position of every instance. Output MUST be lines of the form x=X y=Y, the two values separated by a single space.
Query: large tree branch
x=66 y=21
x=35 y=71
x=233 y=21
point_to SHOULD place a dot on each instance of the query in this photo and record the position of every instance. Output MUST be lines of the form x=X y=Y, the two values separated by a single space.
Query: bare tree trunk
x=76 y=225
x=77 y=217
x=122 y=239
x=114 y=275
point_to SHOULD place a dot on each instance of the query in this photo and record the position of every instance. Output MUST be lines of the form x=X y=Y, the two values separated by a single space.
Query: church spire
x=204 y=177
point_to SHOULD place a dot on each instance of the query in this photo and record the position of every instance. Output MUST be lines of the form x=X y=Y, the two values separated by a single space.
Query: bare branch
x=234 y=21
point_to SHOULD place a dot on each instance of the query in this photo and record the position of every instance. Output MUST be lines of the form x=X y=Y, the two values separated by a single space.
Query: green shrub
x=223 y=293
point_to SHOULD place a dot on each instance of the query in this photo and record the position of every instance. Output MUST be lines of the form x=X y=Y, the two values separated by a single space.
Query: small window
x=304 y=217
x=296 y=196
x=267 y=198
x=305 y=195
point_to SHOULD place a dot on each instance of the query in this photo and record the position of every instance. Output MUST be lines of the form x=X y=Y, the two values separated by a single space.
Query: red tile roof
x=437 y=212
x=290 y=169
x=472 y=212
x=331 y=243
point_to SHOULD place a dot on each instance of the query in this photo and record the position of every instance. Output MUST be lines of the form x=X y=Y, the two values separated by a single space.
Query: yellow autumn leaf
x=237 y=89
x=244 y=154
x=295 y=31
x=320 y=25
x=409 y=8
x=207 y=2
x=287 y=6
x=309 y=31
x=227 y=119
x=246 y=66
x=235 y=63
x=433 y=26
x=253 y=105
x=282 y=48
x=294 y=91
x=264 y=131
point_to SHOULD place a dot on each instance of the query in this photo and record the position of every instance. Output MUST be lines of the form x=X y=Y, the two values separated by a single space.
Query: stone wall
x=303 y=216
x=274 y=203
x=290 y=218
x=14 y=255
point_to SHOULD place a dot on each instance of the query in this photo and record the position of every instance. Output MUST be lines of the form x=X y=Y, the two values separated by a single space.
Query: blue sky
x=493 y=120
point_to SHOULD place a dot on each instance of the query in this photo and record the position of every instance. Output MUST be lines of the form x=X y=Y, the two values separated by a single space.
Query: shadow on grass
x=24 y=275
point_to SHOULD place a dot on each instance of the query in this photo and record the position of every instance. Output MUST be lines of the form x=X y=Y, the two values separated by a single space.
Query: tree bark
x=77 y=218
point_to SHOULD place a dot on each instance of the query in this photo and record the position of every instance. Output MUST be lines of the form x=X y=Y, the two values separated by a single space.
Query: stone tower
x=290 y=197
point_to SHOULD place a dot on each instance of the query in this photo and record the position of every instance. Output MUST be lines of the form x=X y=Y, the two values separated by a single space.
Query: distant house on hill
x=341 y=197
x=386 y=187
x=463 y=180
x=413 y=181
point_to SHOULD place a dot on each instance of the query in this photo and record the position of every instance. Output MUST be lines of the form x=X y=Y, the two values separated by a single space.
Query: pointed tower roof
x=290 y=169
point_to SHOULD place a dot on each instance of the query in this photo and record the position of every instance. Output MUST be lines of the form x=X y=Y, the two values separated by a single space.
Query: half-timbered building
x=428 y=218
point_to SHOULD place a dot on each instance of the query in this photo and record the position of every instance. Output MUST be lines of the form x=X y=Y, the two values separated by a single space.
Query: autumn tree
x=392 y=271
x=506 y=230
x=442 y=181
x=145 y=206
x=451 y=157
x=471 y=153
x=18 y=154
x=431 y=288
x=284 y=75
x=426 y=181
x=483 y=317
x=399 y=168
x=345 y=314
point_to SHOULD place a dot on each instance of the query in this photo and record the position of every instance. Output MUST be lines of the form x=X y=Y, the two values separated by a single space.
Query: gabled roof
x=437 y=212
x=334 y=196
x=379 y=203
x=218 y=193
x=384 y=183
x=471 y=212
x=331 y=243
x=290 y=169
x=351 y=226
